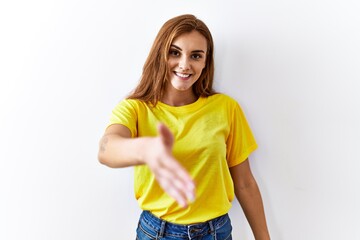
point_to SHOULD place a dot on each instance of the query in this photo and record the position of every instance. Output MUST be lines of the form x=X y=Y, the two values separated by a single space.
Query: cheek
x=201 y=68
x=171 y=64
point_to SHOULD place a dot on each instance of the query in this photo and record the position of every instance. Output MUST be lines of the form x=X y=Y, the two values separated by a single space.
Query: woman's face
x=187 y=59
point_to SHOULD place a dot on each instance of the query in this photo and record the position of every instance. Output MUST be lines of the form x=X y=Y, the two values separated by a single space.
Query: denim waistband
x=182 y=230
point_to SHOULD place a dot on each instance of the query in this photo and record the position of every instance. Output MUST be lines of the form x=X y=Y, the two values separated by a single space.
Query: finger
x=173 y=190
x=175 y=182
x=178 y=197
x=182 y=182
x=165 y=135
x=179 y=172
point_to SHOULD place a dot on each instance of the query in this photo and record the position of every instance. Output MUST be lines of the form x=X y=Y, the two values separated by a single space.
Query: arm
x=249 y=197
x=117 y=149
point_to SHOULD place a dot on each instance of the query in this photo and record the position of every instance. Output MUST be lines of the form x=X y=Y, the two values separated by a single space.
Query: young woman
x=189 y=144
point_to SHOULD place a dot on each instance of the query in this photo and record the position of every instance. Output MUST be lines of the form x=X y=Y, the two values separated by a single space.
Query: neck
x=179 y=98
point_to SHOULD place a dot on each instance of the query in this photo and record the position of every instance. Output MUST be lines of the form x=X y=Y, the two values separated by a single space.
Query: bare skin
x=187 y=58
x=248 y=194
x=117 y=149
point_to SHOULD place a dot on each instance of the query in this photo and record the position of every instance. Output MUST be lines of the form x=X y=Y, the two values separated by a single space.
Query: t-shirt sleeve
x=240 y=142
x=125 y=113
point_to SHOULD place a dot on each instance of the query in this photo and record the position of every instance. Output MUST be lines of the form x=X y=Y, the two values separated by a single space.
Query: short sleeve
x=240 y=142
x=125 y=113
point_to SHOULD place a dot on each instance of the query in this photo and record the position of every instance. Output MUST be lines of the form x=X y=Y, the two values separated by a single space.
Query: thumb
x=166 y=135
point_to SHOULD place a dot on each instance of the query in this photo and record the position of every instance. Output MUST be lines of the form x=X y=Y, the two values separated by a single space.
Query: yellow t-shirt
x=210 y=135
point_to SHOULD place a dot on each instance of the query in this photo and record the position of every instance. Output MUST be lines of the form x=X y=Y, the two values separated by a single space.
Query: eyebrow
x=178 y=48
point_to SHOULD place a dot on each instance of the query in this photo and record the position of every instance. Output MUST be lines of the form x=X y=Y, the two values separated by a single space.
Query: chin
x=180 y=87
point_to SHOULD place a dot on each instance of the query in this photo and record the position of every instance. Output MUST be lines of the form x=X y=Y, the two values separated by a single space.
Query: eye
x=174 y=53
x=196 y=56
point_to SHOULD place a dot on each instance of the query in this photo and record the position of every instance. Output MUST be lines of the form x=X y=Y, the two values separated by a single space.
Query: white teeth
x=182 y=75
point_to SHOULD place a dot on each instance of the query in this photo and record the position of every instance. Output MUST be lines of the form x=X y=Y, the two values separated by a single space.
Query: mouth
x=183 y=76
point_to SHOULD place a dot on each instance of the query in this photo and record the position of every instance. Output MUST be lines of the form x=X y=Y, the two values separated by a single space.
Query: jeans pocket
x=224 y=229
x=144 y=232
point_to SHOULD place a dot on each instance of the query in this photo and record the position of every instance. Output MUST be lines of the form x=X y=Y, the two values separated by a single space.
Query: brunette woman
x=189 y=144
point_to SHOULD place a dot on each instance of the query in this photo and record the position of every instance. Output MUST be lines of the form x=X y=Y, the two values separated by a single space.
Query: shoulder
x=131 y=103
x=221 y=98
x=130 y=106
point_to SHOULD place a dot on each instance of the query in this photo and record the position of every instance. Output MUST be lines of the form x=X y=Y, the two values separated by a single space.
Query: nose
x=184 y=63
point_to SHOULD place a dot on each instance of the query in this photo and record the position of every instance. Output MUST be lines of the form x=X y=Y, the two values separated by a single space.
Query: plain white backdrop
x=292 y=65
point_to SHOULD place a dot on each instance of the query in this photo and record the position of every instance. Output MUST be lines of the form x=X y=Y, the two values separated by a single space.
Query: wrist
x=146 y=148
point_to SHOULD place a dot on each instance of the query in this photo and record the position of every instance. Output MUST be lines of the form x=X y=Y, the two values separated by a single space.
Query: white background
x=292 y=65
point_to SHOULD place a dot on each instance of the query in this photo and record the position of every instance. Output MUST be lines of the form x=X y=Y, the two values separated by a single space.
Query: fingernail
x=182 y=204
x=190 y=196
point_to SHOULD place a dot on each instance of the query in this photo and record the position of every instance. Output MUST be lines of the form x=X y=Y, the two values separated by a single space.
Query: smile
x=182 y=75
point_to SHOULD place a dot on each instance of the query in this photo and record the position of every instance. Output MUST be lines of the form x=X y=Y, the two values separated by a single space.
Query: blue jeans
x=150 y=227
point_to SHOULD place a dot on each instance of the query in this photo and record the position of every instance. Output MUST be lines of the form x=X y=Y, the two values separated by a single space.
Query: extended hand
x=171 y=176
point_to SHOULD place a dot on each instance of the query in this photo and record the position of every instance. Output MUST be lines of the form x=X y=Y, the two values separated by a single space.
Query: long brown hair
x=155 y=71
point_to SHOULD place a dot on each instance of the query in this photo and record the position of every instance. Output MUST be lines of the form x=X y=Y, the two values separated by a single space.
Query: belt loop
x=213 y=232
x=162 y=229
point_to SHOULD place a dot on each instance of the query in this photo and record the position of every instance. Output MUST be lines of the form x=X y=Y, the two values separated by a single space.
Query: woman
x=189 y=145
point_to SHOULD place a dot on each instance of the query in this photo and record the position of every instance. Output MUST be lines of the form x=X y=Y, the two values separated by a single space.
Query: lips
x=182 y=75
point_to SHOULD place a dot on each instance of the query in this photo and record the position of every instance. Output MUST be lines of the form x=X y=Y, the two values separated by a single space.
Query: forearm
x=250 y=200
x=118 y=152
x=117 y=149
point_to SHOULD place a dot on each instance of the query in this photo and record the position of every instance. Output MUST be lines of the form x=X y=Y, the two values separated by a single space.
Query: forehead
x=191 y=41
